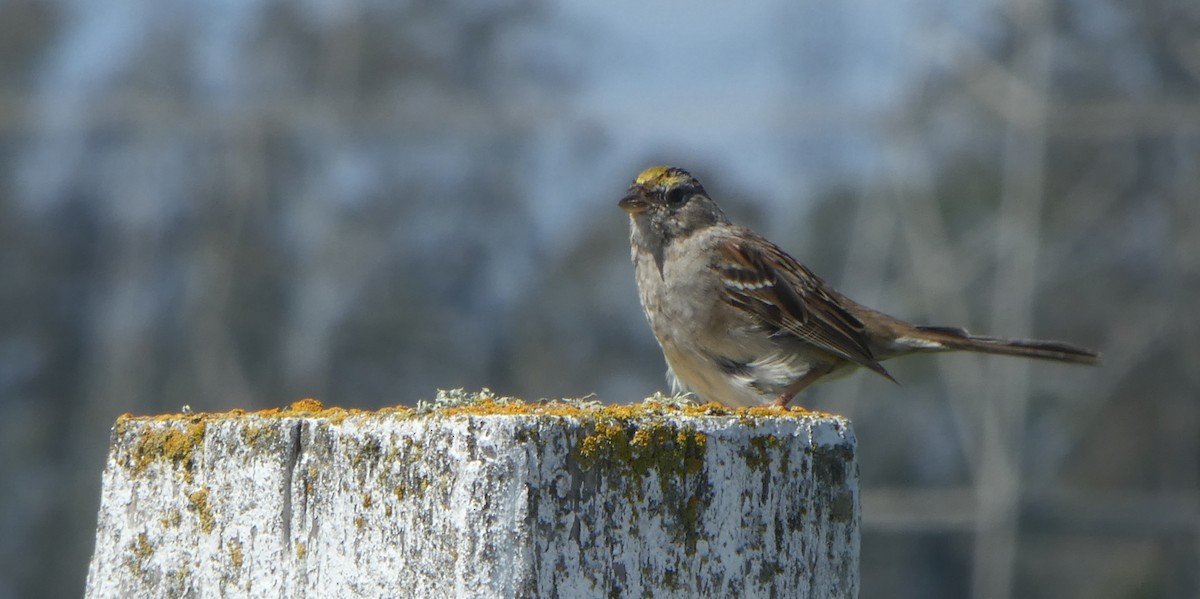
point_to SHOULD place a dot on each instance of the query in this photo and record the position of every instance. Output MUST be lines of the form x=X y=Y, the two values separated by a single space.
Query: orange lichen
x=306 y=406
x=486 y=404
x=178 y=442
x=174 y=444
x=490 y=407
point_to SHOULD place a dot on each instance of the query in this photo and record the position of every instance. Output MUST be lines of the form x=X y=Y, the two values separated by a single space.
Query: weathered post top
x=480 y=496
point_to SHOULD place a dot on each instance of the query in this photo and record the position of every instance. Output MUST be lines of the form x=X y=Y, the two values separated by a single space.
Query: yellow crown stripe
x=664 y=177
x=652 y=175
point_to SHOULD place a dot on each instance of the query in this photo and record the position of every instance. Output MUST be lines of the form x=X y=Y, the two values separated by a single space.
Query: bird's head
x=670 y=202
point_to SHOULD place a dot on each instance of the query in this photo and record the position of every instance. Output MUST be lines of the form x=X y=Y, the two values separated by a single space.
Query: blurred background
x=241 y=203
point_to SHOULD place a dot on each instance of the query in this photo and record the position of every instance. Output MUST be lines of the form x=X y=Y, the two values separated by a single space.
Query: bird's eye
x=676 y=195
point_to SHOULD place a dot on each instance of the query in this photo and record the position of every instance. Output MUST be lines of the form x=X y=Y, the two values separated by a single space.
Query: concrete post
x=490 y=498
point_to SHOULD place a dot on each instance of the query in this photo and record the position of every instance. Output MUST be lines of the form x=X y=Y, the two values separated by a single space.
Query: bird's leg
x=815 y=373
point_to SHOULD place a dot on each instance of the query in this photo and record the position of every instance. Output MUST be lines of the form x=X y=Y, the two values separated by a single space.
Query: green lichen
x=236 y=559
x=689 y=522
x=370 y=450
x=628 y=451
x=311 y=476
x=139 y=554
x=261 y=437
x=178 y=583
x=171 y=519
x=670 y=580
x=841 y=509
x=609 y=444
x=198 y=502
x=398 y=475
x=759 y=454
x=829 y=466
x=768 y=570
x=456 y=398
x=639 y=448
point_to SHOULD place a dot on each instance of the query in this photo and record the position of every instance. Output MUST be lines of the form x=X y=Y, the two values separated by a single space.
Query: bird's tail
x=952 y=339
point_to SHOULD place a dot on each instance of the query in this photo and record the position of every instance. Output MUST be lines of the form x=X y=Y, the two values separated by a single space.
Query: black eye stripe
x=677 y=195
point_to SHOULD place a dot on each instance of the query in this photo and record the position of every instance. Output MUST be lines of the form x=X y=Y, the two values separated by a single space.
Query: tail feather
x=950 y=338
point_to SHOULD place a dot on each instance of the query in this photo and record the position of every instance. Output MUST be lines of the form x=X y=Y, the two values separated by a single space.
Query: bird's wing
x=762 y=279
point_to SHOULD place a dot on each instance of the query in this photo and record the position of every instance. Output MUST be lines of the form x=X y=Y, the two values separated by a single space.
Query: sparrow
x=742 y=323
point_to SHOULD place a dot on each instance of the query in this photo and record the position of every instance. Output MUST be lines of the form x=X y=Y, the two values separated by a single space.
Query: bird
x=742 y=323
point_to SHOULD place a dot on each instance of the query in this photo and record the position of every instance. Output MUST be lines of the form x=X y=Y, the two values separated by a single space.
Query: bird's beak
x=634 y=203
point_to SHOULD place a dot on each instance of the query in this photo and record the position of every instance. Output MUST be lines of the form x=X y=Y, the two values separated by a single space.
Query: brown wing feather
x=785 y=295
